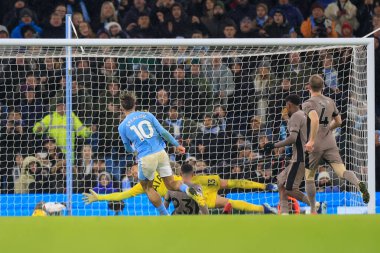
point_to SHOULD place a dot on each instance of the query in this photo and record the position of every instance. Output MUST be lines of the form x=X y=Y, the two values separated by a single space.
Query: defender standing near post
x=141 y=132
x=290 y=178
x=323 y=118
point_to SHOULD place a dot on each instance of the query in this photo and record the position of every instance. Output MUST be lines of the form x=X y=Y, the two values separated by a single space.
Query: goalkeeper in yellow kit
x=210 y=184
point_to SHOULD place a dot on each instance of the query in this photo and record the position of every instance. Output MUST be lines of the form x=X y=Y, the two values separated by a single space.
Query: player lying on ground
x=324 y=118
x=210 y=184
x=291 y=177
x=141 y=132
x=182 y=203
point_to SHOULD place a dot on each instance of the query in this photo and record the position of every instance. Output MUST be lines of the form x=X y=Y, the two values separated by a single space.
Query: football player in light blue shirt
x=142 y=133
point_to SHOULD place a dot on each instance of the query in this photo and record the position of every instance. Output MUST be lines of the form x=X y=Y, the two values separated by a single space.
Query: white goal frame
x=368 y=42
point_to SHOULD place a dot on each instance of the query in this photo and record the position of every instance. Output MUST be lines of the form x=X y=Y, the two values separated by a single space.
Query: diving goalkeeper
x=210 y=184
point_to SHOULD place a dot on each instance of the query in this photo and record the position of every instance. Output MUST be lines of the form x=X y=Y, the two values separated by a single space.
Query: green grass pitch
x=180 y=234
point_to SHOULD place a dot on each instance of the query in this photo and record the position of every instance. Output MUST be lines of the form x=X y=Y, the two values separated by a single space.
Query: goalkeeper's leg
x=243 y=205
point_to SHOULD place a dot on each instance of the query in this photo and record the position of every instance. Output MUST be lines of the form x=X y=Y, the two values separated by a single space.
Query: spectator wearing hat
x=4 y=34
x=215 y=25
x=115 y=31
x=317 y=25
x=26 y=19
x=292 y=14
x=54 y=124
x=55 y=29
x=177 y=25
x=324 y=182
x=246 y=29
x=242 y=9
x=33 y=178
x=144 y=28
x=342 y=11
x=280 y=28
x=11 y=18
x=347 y=31
x=262 y=19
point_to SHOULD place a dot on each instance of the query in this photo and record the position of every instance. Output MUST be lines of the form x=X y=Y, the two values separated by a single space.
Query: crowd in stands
x=223 y=109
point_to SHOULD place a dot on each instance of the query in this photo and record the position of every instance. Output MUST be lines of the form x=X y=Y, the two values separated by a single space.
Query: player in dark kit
x=290 y=178
x=323 y=118
x=184 y=204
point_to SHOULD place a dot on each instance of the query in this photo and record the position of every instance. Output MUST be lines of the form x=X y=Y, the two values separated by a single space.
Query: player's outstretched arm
x=292 y=138
x=246 y=184
x=166 y=135
x=88 y=198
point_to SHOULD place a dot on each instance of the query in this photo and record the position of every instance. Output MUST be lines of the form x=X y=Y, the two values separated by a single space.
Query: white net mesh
x=221 y=103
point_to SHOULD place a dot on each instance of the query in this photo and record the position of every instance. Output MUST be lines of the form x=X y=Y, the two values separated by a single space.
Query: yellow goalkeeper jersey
x=210 y=186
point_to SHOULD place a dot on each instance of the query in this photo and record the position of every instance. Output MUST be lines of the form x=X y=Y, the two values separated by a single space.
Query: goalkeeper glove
x=268 y=147
x=88 y=198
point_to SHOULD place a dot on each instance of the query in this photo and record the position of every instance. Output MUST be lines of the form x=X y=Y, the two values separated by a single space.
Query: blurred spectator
x=77 y=19
x=229 y=31
x=123 y=8
x=33 y=178
x=105 y=184
x=12 y=17
x=220 y=117
x=347 y=31
x=264 y=172
x=367 y=11
x=242 y=9
x=292 y=13
x=204 y=100
x=82 y=101
x=221 y=79
x=180 y=127
x=329 y=73
x=78 y=6
x=50 y=155
x=177 y=25
x=61 y=10
x=131 y=17
x=86 y=169
x=262 y=19
x=246 y=29
x=4 y=34
x=317 y=25
x=253 y=132
x=324 y=183
x=26 y=19
x=55 y=29
x=107 y=14
x=12 y=175
x=31 y=108
x=161 y=106
x=297 y=71
x=142 y=84
x=144 y=28
x=55 y=126
x=217 y=21
x=115 y=31
x=208 y=12
x=280 y=28
x=130 y=179
x=342 y=11
x=264 y=81
x=85 y=31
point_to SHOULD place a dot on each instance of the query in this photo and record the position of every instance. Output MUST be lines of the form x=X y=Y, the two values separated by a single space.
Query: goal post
x=243 y=103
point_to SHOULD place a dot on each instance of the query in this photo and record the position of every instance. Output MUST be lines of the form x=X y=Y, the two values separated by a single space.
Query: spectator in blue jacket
x=293 y=14
x=243 y=9
x=105 y=184
x=26 y=18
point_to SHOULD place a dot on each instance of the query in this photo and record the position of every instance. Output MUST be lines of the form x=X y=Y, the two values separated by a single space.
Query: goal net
x=223 y=103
